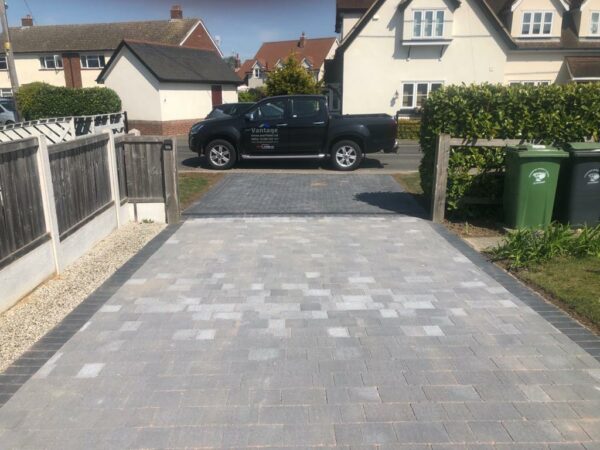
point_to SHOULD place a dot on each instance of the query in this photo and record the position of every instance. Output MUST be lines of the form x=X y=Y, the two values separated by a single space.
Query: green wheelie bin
x=578 y=197
x=530 y=185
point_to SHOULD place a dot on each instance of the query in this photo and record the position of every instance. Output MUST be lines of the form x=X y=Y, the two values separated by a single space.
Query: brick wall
x=200 y=39
x=168 y=128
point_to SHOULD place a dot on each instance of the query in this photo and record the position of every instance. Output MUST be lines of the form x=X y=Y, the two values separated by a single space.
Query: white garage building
x=165 y=88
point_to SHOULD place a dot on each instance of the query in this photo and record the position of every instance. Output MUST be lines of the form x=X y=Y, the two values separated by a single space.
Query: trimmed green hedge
x=409 y=129
x=41 y=100
x=545 y=114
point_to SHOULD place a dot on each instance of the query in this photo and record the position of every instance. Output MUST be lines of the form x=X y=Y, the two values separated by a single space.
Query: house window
x=3 y=63
x=6 y=92
x=537 y=23
x=595 y=24
x=256 y=73
x=51 y=62
x=92 y=61
x=414 y=94
x=428 y=24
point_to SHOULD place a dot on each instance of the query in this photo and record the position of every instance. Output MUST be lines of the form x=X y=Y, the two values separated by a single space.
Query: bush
x=409 y=129
x=252 y=95
x=291 y=78
x=551 y=114
x=527 y=246
x=41 y=100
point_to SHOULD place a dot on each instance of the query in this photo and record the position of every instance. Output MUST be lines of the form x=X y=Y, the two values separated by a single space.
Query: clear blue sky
x=241 y=24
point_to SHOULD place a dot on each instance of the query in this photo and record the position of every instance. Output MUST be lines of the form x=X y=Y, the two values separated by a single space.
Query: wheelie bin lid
x=537 y=151
x=584 y=149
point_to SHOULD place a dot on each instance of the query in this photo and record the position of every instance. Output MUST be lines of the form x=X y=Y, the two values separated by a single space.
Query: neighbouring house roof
x=314 y=50
x=498 y=12
x=171 y=63
x=106 y=36
x=584 y=67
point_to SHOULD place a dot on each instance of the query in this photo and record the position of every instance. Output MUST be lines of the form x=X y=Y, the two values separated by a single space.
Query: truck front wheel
x=346 y=156
x=220 y=155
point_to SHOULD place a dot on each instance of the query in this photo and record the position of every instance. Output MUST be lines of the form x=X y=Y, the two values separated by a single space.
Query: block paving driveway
x=301 y=331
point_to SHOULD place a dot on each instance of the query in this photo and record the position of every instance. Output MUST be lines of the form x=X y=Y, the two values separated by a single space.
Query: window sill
x=430 y=42
x=51 y=70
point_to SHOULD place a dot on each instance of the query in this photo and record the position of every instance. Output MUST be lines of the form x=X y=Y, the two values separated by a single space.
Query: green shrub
x=252 y=95
x=291 y=78
x=409 y=129
x=41 y=100
x=544 y=114
x=524 y=247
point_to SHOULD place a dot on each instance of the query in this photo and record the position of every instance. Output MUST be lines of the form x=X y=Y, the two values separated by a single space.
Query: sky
x=241 y=25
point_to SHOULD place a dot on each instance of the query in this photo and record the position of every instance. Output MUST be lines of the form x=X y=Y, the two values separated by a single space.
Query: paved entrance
x=348 y=331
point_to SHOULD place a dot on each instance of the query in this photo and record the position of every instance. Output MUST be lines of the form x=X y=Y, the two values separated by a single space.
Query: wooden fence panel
x=143 y=159
x=22 y=220
x=81 y=181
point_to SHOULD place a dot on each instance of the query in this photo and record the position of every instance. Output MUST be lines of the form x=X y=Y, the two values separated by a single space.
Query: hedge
x=409 y=129
x=552 y=114
x=41 y=100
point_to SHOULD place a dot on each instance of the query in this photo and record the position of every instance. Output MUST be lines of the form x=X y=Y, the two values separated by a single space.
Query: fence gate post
x=169 y=149
x=440 y=178
x=48 y=201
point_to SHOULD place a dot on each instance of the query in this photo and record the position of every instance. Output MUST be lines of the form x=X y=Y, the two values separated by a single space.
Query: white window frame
x=58 y=62
x=530 y=83
x=413 y=95
x=6 y=93
x=84 y=60
x=3 y=61
x=595 y=23
x=422 y=23
x=256 y=72
x=531 y=23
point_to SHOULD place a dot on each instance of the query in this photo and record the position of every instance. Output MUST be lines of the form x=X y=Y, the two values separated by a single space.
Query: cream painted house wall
x=348 y=22
x=181 y=101
x=584 y=20
x=476 y=54
x=523 y=6
x=137 y=87
x=89 y=76
x=533 y=66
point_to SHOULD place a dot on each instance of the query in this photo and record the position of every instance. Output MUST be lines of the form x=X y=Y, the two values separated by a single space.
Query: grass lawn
x=572 y=283
x=192 y=186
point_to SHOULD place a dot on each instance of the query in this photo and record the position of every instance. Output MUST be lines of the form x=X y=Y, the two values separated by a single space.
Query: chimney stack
x=176 y=12
x=238 y=61
x=27 y=21
x=302 y=41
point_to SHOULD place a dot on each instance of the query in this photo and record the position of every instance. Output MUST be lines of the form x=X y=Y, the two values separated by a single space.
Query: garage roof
x=169 y=63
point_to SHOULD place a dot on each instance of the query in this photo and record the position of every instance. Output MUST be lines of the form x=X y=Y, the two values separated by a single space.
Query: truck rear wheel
x=220 y=155
x=346 y=156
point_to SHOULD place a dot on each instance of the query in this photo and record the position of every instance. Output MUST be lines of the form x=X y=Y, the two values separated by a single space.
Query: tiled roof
x=172 y=63
x=314 y=50
x=103 y=36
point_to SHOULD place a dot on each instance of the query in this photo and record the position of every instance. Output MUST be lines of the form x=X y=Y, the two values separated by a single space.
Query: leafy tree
x=291 y=78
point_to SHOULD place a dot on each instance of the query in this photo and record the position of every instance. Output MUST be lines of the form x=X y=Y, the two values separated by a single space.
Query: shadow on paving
x=299 y=194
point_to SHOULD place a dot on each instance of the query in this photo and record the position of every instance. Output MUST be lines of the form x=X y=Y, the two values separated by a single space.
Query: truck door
x=265 y=129
x=307 y=126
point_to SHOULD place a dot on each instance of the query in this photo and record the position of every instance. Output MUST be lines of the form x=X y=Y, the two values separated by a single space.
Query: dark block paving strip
x=30 y=362
x=289 y=194
x=558 y=318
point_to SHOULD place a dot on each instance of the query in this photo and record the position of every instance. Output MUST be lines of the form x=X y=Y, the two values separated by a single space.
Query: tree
x=291 y=78
x=252 y=95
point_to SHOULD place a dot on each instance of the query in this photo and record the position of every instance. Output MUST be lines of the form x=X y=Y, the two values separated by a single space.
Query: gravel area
x=38 y=313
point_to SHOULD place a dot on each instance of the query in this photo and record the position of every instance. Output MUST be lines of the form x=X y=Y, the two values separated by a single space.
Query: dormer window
x=595 y=23
x=537 y=23
x=428 y=24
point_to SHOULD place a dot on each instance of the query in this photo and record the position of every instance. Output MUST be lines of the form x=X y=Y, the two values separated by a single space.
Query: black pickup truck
x=292 y=127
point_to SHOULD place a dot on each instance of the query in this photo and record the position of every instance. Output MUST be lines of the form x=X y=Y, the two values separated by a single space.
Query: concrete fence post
x=114 y=175
x=48 y=201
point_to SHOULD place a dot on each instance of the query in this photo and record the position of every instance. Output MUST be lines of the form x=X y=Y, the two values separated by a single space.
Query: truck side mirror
x=249 y=117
